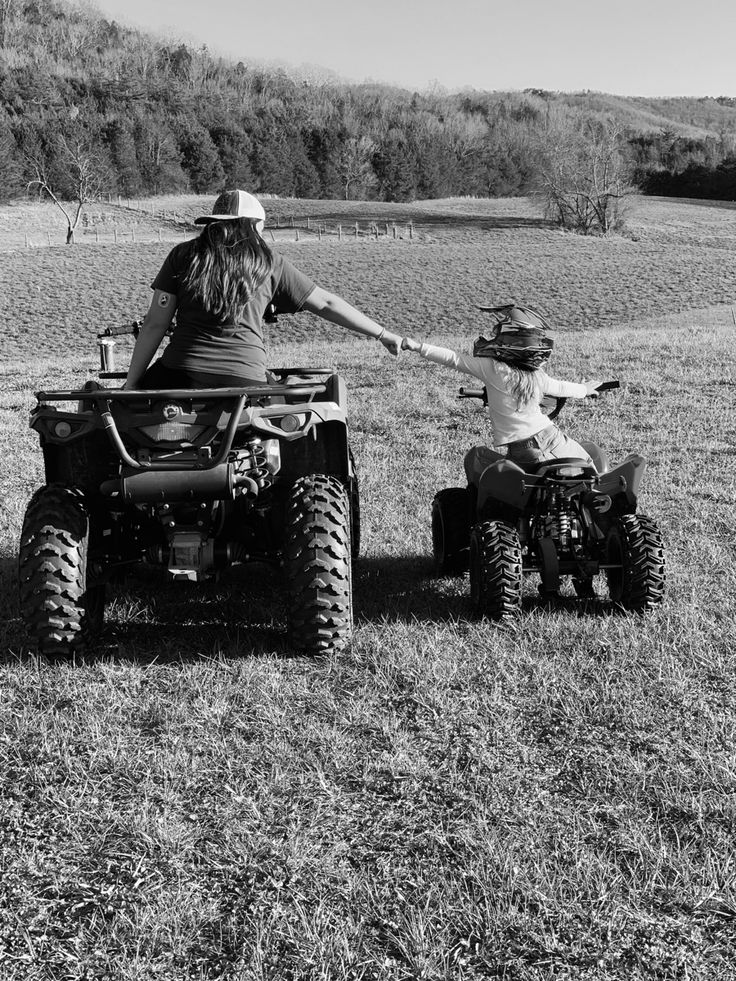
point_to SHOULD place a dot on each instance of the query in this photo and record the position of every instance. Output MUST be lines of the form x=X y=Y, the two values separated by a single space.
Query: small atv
x=559 y=518
x=192 y=482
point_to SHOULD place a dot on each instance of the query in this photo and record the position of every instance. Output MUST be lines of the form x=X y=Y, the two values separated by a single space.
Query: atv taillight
x=291 y=423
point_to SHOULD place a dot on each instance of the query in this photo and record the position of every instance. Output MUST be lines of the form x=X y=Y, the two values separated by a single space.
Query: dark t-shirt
x=204 y=342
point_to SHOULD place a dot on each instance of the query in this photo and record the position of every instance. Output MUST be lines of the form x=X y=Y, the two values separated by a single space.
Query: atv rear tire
x=495 y=570
x=451 y=531
x=635 y=545
x=318 y=565
x=62 y=615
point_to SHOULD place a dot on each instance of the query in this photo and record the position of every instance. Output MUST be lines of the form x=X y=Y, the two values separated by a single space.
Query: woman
x=219 y=286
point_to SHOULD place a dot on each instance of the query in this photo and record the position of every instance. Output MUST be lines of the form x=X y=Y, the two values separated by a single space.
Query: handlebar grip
x=472 y=393
x=132 y=328
x=607 y=386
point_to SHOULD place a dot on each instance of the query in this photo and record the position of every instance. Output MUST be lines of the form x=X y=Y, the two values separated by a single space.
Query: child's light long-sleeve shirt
x=508 y=421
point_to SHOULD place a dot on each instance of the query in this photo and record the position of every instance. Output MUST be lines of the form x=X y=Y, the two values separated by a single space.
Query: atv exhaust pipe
x=154 y=486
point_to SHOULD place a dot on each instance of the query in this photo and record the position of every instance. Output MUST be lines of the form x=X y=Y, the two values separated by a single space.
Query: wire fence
x=342 y=231
x=129 y=220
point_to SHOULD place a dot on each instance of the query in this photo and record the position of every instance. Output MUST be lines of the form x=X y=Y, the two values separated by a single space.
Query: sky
x=624 y=47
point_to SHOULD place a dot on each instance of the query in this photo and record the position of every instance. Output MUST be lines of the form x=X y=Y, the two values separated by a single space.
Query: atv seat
x=569 y=462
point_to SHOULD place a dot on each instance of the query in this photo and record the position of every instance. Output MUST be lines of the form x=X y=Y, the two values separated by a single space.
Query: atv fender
x=624 y=479
x=504 y=483
x=597 y=454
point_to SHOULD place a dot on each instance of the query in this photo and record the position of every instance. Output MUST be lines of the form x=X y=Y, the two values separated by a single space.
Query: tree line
x=87 y=102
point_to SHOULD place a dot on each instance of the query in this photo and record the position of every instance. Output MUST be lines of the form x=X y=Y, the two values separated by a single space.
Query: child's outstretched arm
x=445 y=356
x=570 y=390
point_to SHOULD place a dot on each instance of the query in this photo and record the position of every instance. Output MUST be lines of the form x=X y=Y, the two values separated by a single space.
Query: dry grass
x=450 y=800
x=679 y=259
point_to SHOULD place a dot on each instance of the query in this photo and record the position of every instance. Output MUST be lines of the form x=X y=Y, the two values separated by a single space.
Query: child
x=510 y=365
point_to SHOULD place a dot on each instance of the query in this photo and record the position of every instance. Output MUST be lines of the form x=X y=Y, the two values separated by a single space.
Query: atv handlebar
x=550 y=402
x=122 y=330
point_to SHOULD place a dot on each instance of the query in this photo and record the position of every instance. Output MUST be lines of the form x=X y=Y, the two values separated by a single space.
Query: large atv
x=558 y=519
x=191 y=482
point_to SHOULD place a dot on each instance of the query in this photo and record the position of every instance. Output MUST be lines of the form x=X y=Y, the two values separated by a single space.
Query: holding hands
x=391 y=341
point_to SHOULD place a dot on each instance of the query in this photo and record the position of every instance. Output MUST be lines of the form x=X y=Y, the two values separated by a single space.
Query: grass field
x=450 y=799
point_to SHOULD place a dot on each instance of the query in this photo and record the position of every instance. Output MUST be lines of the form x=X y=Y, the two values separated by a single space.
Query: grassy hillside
x=693 y=118
x=450 y=798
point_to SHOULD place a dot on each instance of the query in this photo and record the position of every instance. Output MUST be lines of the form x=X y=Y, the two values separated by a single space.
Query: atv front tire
x=495 y=570
x=62 y=614
x=318 y=565
x=634 y=547
x=451 y=531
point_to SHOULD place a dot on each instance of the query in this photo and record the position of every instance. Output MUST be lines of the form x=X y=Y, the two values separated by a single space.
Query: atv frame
x=558 y=519
x=191 y=482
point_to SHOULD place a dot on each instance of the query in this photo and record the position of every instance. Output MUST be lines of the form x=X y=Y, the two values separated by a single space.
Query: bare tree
x=584 y=179
x=79 y=169
x=354 y=164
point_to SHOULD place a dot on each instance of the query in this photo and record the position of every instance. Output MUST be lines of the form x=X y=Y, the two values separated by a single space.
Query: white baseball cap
x=234 y=204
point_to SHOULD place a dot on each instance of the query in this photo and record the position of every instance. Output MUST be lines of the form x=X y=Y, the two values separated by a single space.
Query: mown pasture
x=450 y=798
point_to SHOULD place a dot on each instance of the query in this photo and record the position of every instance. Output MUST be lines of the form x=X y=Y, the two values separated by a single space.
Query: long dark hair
x=229 y=261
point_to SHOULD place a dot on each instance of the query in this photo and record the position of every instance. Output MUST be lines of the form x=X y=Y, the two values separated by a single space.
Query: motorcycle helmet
x=519 y=337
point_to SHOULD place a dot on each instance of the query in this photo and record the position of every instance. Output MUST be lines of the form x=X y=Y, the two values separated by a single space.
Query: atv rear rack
x=239 y=396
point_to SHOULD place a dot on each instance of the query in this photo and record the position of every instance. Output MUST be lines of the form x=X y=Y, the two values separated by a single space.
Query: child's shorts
x=549 y=443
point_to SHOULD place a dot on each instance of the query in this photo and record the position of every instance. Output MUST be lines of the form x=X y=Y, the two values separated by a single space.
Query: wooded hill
x=143 y=115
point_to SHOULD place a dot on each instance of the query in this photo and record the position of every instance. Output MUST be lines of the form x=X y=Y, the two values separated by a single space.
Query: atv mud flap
x=550 y=571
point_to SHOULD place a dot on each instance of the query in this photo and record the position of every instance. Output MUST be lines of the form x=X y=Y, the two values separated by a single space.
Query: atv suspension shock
x=250 y=465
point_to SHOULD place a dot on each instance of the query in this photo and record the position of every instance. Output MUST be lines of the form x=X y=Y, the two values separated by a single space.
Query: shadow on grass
x=405 y=589
x=150 y=621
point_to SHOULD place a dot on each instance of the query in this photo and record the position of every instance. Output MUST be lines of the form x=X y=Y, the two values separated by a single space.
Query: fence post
x=339 y=233
x=356 y=229
x=393 y=230
x=386 y=229
x=411 y=229
x=308 y=224
x=297 y=234
x=319 y=232
x=159 y=234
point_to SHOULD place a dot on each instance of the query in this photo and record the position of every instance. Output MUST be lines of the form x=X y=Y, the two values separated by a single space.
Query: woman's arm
x=153 y=330
x=331 y=307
